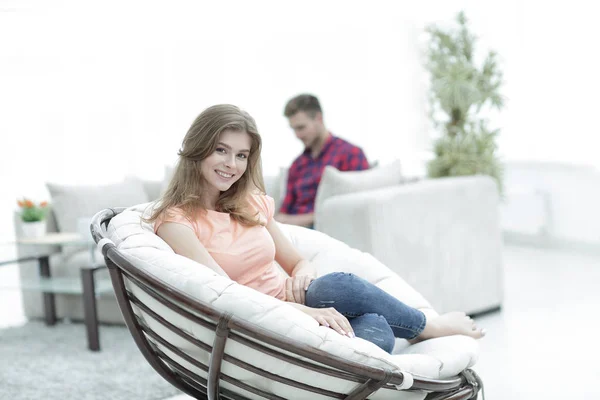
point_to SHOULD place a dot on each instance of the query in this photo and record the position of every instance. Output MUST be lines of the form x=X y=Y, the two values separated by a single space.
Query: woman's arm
x=286 y=254
x=302 y=272
x=184 y=242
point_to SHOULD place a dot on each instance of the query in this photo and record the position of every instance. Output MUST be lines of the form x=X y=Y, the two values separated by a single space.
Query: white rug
x=40 y=362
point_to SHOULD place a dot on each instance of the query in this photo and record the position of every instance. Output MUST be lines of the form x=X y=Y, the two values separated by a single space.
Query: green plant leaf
x=460 y=89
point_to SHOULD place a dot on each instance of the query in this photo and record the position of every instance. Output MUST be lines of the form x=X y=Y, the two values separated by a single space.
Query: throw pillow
x=276 y=186
x=334 y=182
x=169 y=170
x=70 y=203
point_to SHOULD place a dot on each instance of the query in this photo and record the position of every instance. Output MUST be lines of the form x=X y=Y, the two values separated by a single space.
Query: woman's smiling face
x=227 y=163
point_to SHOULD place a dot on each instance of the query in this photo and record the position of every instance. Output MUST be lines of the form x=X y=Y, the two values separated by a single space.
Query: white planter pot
x=33 y=229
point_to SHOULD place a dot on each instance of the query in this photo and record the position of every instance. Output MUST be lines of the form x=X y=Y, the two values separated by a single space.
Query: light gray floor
x=544 y=344
x=11 y=310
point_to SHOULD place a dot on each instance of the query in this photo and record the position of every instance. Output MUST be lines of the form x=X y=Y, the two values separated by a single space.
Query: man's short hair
x=303 y=102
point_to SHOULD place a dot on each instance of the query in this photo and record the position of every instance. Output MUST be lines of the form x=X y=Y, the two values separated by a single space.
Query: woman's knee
x=325 y=290
x=333 y=280
x=334 y=277
x=375 y=329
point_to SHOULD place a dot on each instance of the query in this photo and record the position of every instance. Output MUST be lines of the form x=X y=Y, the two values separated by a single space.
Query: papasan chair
x=215 y=339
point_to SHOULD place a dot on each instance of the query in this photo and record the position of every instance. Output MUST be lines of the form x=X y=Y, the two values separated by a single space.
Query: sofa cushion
x=169 y=171
x=276 y=186
x=153 y=189
x=334 y=182
x=72 y=202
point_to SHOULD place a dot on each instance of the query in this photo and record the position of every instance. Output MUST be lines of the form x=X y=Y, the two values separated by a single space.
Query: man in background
x=321 y=149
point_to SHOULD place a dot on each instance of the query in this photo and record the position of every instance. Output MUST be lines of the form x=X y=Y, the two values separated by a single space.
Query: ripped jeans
x=374 y=314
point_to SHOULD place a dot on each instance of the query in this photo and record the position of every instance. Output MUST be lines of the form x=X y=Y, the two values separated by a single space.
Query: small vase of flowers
x=33 y=216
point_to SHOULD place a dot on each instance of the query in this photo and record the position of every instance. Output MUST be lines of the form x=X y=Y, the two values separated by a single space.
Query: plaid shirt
x=305 y=173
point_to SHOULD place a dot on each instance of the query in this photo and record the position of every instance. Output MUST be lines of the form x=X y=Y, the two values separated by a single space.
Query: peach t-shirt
x=246 y=254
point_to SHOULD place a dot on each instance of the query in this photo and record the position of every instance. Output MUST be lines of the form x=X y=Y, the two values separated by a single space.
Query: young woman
x=216 y=213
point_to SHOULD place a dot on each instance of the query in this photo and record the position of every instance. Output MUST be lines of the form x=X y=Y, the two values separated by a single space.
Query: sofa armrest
x=442 y=236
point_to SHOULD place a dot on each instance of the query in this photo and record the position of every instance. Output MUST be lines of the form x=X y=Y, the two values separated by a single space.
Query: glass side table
x=40 y=249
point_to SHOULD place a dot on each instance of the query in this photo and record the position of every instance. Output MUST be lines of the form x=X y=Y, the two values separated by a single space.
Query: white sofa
x=443 y=235
x=69 y=205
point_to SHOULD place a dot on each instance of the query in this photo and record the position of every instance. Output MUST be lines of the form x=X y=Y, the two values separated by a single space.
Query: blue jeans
x=374 y=314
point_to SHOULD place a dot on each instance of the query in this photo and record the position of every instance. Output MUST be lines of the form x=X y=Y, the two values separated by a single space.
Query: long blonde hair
x=187 y=185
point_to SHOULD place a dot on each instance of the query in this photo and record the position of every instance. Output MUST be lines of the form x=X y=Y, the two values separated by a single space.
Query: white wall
x=90 y=92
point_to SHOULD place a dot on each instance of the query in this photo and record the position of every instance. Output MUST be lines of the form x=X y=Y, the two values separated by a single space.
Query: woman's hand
x=296 y=287
x=331 y=318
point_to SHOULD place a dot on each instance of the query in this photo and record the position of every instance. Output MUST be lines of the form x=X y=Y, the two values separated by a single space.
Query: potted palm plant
x=459 y=91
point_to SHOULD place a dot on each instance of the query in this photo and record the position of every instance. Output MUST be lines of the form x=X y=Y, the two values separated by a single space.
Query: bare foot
x=452 y=323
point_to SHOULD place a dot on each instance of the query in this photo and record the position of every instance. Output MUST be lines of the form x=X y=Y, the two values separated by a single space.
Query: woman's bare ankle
x=452 y=323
